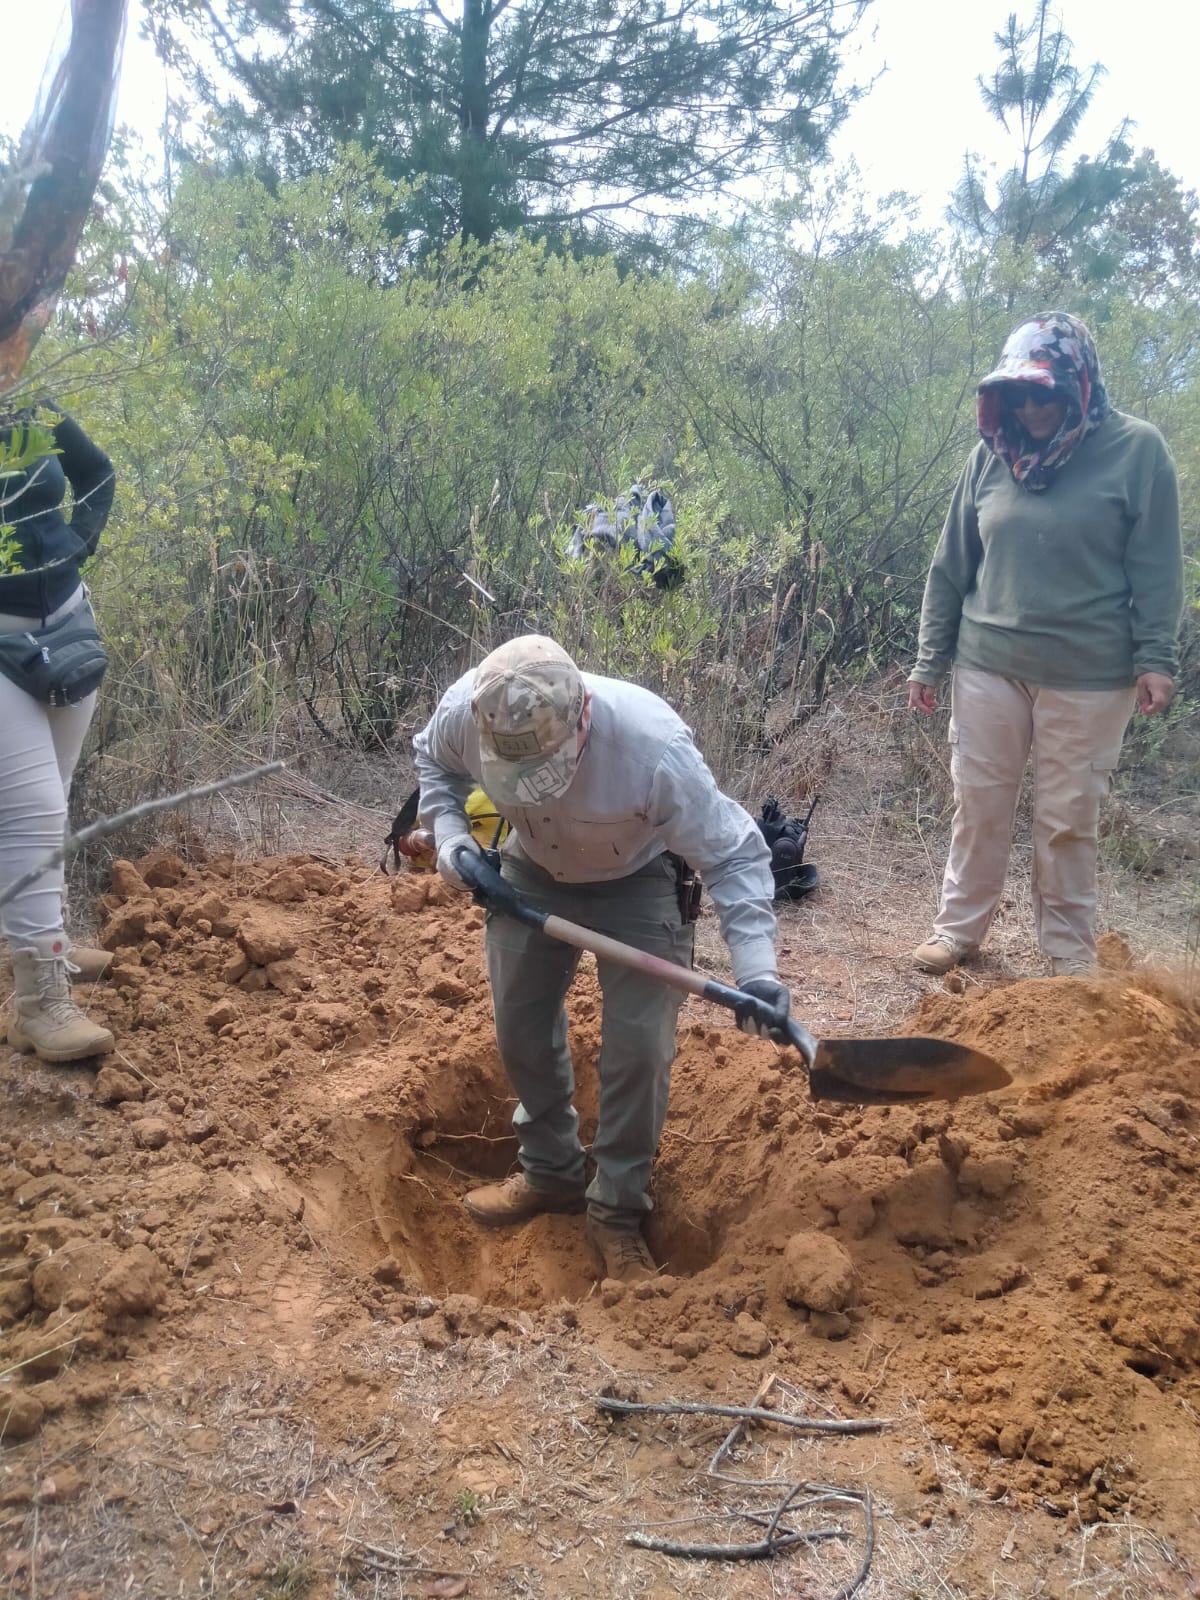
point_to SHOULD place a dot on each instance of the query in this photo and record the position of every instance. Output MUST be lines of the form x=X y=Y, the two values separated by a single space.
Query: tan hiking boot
x=939 y=954
x=1065 y=967
x=626 y=1256
x=500 y=1205
x=45 y=1019
x=89 y=963
x=85 y=964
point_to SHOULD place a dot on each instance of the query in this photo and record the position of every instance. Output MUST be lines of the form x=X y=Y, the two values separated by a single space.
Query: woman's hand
x=1155 y=691
x=923 y=697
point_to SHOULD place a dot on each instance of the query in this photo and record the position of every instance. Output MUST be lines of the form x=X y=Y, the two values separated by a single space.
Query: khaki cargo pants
x=530 y=975
x=1075 y=738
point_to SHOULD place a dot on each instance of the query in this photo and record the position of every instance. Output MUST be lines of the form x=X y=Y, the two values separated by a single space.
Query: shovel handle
x=493 y=892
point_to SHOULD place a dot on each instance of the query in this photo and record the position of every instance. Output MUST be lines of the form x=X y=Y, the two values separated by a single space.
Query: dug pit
x=308 y=1083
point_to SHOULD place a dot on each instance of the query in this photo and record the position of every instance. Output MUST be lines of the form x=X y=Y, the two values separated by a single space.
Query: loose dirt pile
x=264 y=1185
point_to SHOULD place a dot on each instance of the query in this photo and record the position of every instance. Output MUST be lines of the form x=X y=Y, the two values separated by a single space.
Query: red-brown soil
x=251 y=1336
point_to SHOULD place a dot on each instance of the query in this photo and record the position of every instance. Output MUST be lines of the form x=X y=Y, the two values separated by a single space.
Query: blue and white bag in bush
x=640 y=519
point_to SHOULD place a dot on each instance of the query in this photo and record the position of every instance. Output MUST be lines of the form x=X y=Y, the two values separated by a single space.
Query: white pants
x=39 y=747
x=1075 y=736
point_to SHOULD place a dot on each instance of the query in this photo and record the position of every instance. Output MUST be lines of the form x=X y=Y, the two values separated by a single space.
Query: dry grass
x=224 y=1489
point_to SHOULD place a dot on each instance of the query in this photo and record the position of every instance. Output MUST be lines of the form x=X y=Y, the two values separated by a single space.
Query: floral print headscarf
x=1054 y=349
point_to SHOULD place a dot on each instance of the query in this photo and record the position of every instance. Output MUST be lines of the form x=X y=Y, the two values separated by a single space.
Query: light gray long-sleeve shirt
x=641 y=788
x=1080 y=587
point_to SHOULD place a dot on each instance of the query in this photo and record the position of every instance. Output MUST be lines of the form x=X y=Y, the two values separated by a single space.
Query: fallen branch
x=849 y=1590
x=779 y=1536
x=731 y=1438
x=397 y=1561
x=145 y=808
x=687 y=1408
x=769 y=1546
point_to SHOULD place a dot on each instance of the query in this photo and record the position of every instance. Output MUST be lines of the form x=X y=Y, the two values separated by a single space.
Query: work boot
x=624 y=1252
x=1070 y=967
x=86 y=965
x=89 y=963
x=940 y=954
x=499 y=1205
x=45 y=1019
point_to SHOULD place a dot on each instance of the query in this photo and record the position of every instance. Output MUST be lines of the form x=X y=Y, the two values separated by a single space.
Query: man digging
x=607 y=798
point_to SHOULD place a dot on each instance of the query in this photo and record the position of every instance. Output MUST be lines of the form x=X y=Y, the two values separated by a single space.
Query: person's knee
x=984 y=788
x=34 y=820
x=641 y=1048
x=1067 y=814
x=521 y=1035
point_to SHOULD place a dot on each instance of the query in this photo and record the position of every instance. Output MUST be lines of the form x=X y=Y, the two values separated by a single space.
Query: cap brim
x=527 y=783
x=1021 y=372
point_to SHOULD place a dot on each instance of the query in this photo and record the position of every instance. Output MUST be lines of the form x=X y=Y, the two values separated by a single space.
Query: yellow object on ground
x=484 y=820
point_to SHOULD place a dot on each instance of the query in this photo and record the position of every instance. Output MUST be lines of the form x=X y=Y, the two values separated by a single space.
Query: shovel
x=863 y=1072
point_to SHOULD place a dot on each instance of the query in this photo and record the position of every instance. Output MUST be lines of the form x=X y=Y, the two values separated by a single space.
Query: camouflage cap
x=527 y=703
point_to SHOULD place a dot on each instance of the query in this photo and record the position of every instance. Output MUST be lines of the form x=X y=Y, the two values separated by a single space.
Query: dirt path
x=254 y=1346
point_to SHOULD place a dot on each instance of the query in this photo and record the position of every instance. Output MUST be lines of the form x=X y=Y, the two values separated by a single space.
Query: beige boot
x=86 y=965
x=624 y=1254
x=45 y=1019
x=940 y=954
x=1065 y=967
x=499 y=1205
x=89 y=963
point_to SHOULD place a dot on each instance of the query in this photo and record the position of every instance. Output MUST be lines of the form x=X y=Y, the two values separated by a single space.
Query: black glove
x=750 y=1018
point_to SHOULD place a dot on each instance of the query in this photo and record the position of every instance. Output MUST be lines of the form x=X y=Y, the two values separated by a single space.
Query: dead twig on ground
x=397 y=1561
x=780 y=1536
x=769 y=1546
x=731 y=1438
x=864 y=1501
x=688 y=1408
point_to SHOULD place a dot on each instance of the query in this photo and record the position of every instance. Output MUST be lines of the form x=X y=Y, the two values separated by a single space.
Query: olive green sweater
x=1079 y=587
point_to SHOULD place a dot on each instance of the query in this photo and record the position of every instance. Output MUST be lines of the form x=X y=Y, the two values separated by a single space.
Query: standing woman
x=49 y=669
x=1055 y=593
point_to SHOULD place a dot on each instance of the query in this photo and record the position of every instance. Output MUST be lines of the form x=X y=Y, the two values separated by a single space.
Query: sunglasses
x=1016 y=395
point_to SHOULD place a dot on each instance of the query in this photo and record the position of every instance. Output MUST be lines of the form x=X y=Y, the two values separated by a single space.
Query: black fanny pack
x=59 y=665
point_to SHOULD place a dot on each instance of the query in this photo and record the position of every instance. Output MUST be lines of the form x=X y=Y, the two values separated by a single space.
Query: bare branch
x=106 y=825
x=689 y=1408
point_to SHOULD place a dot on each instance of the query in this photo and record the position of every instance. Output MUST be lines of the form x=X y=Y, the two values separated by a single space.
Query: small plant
x=291 y=1578
x=10 y=550
x=466 y=1506
x=27 y=445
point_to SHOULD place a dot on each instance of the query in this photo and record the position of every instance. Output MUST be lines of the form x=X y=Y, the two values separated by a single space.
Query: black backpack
x=786 y=838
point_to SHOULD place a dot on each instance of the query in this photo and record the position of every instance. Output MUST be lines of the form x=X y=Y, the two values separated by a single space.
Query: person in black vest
x=42 y=550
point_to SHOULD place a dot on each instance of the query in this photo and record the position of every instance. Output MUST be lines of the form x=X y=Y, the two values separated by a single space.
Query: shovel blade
x=829 y=1088
x=873 y=1072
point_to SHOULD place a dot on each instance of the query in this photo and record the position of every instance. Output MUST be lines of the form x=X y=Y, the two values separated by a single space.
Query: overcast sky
x=914 y=126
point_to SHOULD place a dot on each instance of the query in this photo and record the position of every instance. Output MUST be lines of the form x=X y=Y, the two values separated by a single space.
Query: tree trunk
x=477 y=218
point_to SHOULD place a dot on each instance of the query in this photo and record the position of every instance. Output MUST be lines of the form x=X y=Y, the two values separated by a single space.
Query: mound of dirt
x=306 y=1083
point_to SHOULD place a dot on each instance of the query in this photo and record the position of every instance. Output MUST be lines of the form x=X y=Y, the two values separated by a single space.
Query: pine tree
x=601 y=115
x=1039 y=96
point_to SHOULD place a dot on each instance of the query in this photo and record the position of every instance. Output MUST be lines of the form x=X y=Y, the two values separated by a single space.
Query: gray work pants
x=530 y=975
